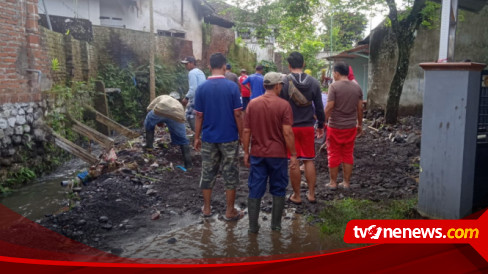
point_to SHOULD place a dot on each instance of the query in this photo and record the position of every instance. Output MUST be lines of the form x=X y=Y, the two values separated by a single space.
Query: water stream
x=44 y=196
x=207 y=238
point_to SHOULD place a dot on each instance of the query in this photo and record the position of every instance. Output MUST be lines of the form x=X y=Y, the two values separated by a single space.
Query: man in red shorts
x=301 y=90
x=344 y=113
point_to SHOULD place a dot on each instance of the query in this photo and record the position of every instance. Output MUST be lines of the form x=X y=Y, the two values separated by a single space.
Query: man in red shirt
x=245 y=89
x=268 y=120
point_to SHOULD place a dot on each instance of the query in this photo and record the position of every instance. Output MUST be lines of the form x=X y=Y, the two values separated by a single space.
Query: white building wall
x=84 y=9
x=167 y=16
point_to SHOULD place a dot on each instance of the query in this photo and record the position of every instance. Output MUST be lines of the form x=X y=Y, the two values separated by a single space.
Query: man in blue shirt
x=218 y=119
x=195 y=78
x=256 y=81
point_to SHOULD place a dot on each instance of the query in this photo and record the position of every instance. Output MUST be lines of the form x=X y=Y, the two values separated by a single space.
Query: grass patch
x=336 y=215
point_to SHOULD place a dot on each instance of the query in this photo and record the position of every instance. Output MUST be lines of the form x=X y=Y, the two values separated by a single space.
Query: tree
x=404 y=31
x=292 y=24
x=347 y=29
x=404 y=24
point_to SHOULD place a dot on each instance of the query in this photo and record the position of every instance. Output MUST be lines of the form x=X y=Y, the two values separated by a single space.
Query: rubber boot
x=185 y=150
x=253 y=207
x=149 y=139
x=277 y=212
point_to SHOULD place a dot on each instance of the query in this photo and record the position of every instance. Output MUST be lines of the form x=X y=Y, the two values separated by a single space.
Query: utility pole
x=152 y=80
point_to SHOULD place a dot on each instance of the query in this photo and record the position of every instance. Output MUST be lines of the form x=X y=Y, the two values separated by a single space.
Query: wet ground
x=149 y=208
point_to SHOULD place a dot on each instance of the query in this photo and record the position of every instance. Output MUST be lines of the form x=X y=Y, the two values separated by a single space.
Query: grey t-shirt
x=346 y=96
x=232 y=76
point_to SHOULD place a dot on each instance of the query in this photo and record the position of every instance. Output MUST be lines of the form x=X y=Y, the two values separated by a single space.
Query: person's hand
x=197 y=144
x=184 y=102
x=293 y=162
x=246 y=160
x=360 y=131
x=320 y=133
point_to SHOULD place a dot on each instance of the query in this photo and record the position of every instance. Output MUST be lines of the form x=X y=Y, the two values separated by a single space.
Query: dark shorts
x=245 y=102
x=214 y=155
x=262 y=169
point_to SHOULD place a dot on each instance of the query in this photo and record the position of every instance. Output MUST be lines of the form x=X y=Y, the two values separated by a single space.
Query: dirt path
x=120 y=207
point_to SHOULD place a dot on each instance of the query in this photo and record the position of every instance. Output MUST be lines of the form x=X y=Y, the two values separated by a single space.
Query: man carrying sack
x=167 y=109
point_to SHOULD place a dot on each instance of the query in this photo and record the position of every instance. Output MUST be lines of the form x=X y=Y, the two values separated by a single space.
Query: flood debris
x=383 y=170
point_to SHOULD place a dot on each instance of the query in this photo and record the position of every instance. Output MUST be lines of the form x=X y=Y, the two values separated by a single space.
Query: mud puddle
x=215 y=238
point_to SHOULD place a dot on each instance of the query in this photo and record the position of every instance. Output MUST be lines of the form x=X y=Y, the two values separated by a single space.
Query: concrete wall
x=134 y=15
x=471 y=42
x=85 y=9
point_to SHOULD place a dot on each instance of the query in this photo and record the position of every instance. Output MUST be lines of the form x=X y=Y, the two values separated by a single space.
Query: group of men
x=283 y=116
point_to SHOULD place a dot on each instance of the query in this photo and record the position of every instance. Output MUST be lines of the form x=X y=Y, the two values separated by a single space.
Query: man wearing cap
x=195 y=78
x=268 y=121
x=229 y=75
x=303 y=93
x=218 y=118
x=245 y=89
x=167 y=109
x=256 y=81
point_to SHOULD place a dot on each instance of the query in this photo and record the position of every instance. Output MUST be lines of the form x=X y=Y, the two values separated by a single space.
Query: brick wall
x=20 y=51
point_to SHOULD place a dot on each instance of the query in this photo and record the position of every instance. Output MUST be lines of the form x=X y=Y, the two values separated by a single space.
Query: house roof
x=359 y=51
x=471 y=5
x=213 y=12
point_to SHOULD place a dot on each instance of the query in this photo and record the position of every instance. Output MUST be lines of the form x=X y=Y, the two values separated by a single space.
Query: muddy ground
x=149 y=195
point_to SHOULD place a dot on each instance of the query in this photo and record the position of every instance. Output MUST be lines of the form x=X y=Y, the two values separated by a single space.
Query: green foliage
x=55 y=64
x=290 y=24
x=338 y=213
x=347 y=29
x=268 y=66
x=21 y=176
x=68 y=100
x=129 y=107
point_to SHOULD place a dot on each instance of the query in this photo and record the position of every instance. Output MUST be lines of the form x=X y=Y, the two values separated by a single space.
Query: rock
x=26 y=128
x=17 y=139
x=30 y=110
x=81 y=222
x=2 y=134
x=21 y=112
x=103 y=219
x=171 y=241
x=9 y=131
x=11 y=121
x=265 y=218
x=155 y=215
x=6 y=161
x=38 y=114
x=3 y=123
x=20 y=120
x=39 y=134
x=19 y=130
x=151 y=192
x=29 y=118
x=13 y=112
x=107 y=226
x=6 y=141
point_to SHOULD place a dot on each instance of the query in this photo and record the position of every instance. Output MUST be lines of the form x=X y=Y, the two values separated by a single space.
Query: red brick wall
x=20 y=50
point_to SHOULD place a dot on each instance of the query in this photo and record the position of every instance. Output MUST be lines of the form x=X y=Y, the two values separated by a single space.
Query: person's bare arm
x=197 y=143
x=328 y=110
x=290 y=145
x=238 y=118
x=246 y=138
x=360 y=118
